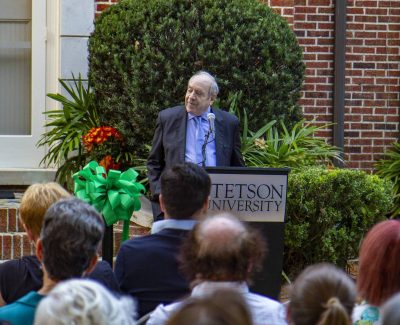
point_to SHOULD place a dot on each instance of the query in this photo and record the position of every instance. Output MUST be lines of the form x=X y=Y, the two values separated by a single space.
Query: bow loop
x=115 y=195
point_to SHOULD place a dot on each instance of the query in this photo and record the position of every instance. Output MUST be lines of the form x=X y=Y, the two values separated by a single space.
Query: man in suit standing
x=147 y=267
x=196 y=133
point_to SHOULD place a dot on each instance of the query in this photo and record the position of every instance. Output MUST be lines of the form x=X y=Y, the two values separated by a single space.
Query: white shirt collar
x=172 y=223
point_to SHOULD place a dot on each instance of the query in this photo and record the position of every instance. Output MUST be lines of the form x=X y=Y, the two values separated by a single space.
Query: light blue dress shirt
x=195 y=137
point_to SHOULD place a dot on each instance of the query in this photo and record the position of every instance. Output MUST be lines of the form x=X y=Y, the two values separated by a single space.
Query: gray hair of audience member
x=84 y=302
x=391 y=311
x=71 y=236
x=222 y=307
x=222 y=248
x=214 y=90
x=322 y=294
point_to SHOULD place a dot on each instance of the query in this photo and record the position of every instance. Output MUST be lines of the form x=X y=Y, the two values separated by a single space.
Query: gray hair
x=84 y=302
x=71 y=235
x=214 y=90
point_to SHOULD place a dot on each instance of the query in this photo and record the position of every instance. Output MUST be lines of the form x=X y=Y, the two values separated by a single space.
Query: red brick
x=363 y=81
x=362 y=49
x=361 y=157
x=375 y=42
x=3 y=220
x=378 y=27
x=380 y=142
x=355 y=11
x=325 y=57
x=354 y=41
x=281 y=3
x=305 y=10
x=373 y=118
x=355 y=26
x=352 y=118
x=27 y=246
x=392 y=118
x=387 y=50
x=320 y=3
x=7 y=246
x=326 y=10
x=319 y=33
x=18 y=238
x=361 y=126
x=377 y=103
x=367 y=165
x=361 y=142
x=391 y=111
x=389 y=4
x=12 y=220
x=371 y=134
x=102 y=7
x=365 y=34
x=374 y=73
x=363 y=3
x=375 y=11
x=365 y=18
x=305 y=25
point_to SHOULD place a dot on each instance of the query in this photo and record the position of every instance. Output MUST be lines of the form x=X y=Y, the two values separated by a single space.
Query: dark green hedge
x=329 y=212
x=142 y=53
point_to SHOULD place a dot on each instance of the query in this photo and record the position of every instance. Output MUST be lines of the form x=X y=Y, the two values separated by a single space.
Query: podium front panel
x=256 y=196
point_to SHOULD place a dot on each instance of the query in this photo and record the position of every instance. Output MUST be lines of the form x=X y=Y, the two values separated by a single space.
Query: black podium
x=257 y=196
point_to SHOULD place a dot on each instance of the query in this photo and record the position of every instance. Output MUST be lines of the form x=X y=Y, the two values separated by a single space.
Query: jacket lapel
x=181 y=133
x=219 y=144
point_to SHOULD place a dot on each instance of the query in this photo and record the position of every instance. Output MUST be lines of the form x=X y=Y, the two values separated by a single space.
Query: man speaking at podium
x=196 y=133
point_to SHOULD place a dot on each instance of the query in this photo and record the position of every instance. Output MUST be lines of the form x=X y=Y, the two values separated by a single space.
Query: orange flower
x=108 y=163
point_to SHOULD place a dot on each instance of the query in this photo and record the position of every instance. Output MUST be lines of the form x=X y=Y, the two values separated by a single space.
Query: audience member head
x=391 y=311
x=222 y=248
x=84 y=302
x=322 y=294
x=70 y=237
x=201 y=92
x=34 y=204
x=185 y=189
x=379 y=263
x=223 y=307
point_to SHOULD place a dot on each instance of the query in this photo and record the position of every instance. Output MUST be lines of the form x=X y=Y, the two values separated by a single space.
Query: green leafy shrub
x=273 y=146
x=142 y=53
x=328 y=213
x=389 y=168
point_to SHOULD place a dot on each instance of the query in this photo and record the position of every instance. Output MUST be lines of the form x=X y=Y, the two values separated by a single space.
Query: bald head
x=222 y=248
x=219 y=232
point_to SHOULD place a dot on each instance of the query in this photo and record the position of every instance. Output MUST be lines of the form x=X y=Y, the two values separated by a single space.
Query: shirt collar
x=204 y=115
x=208 y=287
x=172 y=223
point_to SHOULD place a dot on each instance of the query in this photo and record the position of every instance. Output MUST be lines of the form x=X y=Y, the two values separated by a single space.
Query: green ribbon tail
x=125 y=230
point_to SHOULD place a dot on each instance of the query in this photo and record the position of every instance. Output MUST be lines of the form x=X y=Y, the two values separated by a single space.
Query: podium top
x=248 y=170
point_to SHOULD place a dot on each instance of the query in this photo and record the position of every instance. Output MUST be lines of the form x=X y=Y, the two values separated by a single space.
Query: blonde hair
x=35 y=202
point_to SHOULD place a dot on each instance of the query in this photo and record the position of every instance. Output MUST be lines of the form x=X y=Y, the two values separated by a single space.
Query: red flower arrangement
x=103 y=145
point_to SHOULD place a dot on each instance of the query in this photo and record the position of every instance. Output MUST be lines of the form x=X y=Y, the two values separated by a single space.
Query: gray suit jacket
x=169 y=142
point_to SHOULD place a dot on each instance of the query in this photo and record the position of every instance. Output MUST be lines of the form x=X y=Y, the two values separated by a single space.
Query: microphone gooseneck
x=211 y=121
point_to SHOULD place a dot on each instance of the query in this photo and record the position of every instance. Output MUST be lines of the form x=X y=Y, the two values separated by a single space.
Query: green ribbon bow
x=115 y=195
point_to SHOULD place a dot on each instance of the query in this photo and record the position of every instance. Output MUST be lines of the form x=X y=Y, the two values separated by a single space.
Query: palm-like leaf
x=67 y=125
x=389 y=167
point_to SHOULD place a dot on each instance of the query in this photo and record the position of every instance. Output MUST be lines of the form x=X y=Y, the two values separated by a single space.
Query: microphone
x=211 y=119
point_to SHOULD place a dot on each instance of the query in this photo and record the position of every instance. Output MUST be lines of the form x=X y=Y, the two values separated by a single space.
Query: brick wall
x=14 y=242
x=372 y=70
